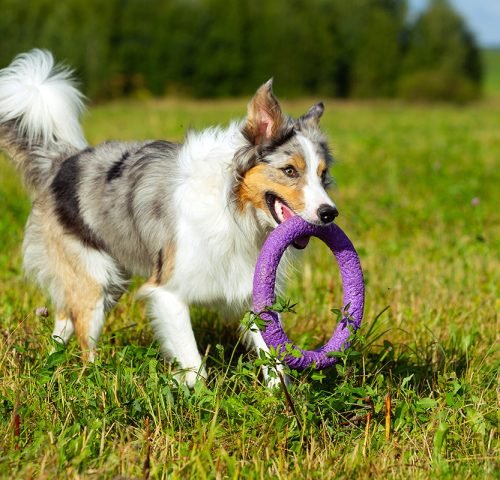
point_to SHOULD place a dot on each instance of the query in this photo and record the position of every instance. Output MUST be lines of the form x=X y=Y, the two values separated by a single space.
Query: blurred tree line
x=213 y=48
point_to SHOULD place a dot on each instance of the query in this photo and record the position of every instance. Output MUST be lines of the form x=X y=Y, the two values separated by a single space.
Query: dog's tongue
x=300 y=242
x=287 y=213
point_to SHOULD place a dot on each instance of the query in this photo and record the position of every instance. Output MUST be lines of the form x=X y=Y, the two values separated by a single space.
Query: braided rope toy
x=265 y=278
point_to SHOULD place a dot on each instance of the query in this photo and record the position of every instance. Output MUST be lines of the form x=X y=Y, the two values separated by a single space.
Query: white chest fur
x=217 y=247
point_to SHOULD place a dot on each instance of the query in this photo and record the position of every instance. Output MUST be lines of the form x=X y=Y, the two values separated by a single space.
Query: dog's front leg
x=172 y=325
x=271 y=379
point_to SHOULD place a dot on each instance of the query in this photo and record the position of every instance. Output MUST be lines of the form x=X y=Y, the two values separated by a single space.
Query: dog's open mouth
x=281 y=212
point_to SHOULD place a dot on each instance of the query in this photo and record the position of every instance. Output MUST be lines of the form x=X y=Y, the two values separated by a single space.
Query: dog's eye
x=290 y=171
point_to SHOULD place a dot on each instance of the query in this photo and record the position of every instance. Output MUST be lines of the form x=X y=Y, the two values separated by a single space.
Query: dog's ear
x=265 y=118
x=312 y=116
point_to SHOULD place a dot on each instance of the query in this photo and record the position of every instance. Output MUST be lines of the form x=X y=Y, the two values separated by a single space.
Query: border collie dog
x=190 y=217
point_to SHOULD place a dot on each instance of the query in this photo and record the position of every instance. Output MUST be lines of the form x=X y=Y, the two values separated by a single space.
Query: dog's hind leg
x=93 y=283
x=79 y=299
x=82 y=281
x=80 y=306
x=88 y=318
x=172 y=324
x=63 y=328
x=89 y=326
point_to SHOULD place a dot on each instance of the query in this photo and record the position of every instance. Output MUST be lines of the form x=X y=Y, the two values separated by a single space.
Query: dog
x=189 y=217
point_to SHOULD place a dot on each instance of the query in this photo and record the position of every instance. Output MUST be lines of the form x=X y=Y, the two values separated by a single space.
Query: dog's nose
x=327 y=213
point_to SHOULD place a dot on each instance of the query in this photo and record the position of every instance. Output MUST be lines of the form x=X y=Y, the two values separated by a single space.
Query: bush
x=215 y=48
x=437 y=85
x=442 y=60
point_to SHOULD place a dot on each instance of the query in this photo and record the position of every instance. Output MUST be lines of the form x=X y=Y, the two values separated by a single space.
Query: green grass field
x=417 y=188
x=491 y=61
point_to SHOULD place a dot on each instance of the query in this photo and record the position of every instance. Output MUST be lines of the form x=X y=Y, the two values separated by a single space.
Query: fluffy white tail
x=41 y=101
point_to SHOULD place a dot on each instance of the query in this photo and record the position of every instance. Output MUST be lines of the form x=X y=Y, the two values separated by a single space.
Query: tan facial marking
x=298 y=162
x=264 y=178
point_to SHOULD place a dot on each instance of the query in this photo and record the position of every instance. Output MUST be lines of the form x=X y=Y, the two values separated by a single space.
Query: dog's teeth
x=278 y=209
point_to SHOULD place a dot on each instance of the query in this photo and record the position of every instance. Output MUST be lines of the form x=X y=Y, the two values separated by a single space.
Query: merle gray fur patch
x=122 y=190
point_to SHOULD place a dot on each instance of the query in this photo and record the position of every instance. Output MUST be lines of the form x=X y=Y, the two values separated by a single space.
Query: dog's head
x=284 y=169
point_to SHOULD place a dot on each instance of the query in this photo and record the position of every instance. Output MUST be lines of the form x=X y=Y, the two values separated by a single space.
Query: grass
x=417 y=188
x=491 y=61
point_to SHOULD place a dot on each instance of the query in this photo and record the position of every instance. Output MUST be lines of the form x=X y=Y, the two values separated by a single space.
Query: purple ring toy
x=265 y=278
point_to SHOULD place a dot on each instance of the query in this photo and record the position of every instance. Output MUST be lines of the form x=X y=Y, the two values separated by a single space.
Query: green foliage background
x=213 y=48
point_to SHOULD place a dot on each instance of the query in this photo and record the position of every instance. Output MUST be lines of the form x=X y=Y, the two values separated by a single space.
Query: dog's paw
x=272 y=379
x=190 y=377
x=273 y=383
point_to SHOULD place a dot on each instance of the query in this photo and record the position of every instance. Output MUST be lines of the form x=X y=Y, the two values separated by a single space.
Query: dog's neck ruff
x=218 y=244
